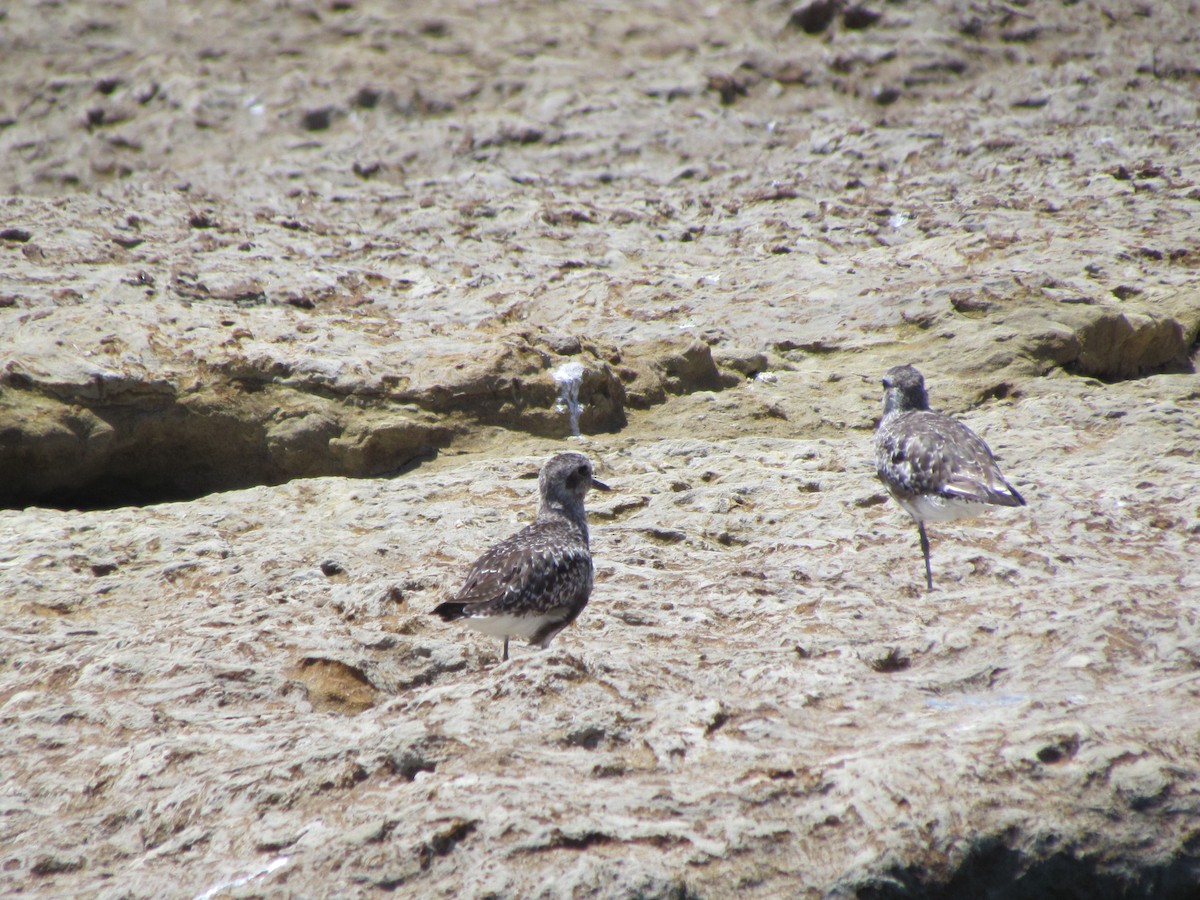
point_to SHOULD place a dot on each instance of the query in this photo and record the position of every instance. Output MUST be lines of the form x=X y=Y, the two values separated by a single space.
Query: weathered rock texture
x=253 y=249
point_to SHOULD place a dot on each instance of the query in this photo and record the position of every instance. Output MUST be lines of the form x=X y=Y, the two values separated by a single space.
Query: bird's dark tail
x=450 y=610
x=1014 y=498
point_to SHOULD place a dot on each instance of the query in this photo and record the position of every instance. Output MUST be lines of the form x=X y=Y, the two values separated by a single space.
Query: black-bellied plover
x=937 y=468
x=536 y=582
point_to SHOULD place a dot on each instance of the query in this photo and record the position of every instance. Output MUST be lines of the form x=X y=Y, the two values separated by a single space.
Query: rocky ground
x=283 y=292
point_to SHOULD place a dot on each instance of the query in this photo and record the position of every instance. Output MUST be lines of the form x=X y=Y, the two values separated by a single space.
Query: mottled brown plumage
x=937 y=468
x=535 y=583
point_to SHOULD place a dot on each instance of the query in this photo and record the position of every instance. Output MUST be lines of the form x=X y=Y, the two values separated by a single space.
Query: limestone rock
x=287 y=382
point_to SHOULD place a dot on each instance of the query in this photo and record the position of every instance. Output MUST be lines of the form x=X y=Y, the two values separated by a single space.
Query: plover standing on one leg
x=536 y=582
x=937 y=468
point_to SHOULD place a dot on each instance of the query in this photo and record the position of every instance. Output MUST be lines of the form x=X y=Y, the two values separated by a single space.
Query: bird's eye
x=583 y=470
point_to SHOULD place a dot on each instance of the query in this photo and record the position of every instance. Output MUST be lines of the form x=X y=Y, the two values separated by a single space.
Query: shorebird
x=937 y=468
x=533 y=584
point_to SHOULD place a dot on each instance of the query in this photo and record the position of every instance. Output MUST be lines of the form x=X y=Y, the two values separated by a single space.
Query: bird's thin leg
x=504 y=658
x=925 y=551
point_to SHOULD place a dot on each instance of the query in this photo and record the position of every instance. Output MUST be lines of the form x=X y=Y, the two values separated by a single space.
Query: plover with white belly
x=535 y=583
x=937 y=468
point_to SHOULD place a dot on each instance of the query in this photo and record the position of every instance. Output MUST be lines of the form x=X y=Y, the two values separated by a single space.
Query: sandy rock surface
x=310 y=270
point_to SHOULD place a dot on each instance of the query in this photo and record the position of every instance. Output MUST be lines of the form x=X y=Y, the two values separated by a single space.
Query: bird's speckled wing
x=928 y=453
x=540 y=568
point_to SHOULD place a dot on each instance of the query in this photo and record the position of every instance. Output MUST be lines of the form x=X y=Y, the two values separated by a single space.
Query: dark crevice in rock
x=142 y=450
x=1117 y=347
x=1115 y=344
x=125 y=441
x=1110 y=378
x=996 y=870
x=653 y=370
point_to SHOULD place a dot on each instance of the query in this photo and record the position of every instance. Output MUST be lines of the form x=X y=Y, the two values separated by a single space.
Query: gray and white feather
x=535 y=583
x=937 y=468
